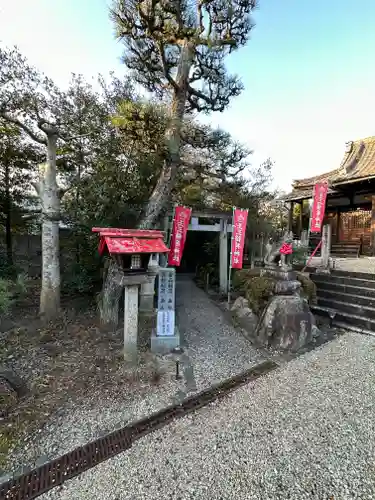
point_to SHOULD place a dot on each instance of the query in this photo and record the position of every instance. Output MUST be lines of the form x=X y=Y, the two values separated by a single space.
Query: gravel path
x=215 y=349
x=304 y=431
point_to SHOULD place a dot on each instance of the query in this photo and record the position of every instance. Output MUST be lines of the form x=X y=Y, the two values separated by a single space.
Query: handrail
x=312 y=255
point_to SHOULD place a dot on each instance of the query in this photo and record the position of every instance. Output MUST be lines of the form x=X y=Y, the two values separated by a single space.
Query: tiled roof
x=302 y=194
x=358 y=163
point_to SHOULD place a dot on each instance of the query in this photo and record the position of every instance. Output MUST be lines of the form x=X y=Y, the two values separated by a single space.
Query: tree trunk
x=49 y=196
x=162 y=191
x=8 y=217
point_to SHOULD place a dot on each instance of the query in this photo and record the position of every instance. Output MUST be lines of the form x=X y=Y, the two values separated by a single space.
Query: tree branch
x=73 y=183
x=36 y=186
x=67 y=139
x=24 y=127
x=166 y=71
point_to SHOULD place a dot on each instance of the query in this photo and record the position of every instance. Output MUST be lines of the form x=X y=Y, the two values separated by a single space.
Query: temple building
x=350 y=207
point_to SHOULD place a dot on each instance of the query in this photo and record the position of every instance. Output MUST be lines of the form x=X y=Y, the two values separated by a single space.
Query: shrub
x=210 y=270
x=20 y=286
x=7 y=271
x=300 y=254
x=308 y=287
x=80 y=280
x=240 y=278
x=6 y=296
x=259 y=290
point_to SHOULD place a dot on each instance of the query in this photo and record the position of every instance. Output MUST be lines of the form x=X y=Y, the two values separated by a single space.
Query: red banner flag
x=238 y=237
x=319 y=206
x=179 y=230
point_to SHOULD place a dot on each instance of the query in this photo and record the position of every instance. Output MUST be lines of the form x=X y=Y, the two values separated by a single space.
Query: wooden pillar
x=373 y=225
x=326 y=245
x=290 y=220
x=338 y=229
x=300 y=219
x=223 y=256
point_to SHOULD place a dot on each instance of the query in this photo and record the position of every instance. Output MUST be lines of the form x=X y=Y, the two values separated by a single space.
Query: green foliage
x=6 y=296
x=240 y=277
x=112 y=149
x=179 y=56
x=299 y=255
x=13 y=285
x=256 y=288
x=211 y=162
x=81 y=273
x=80 y=280
x=156 y=35
x=207 y=274
x=259 y=290
x=7 y=271
x=16 y=157
x=20 y=285
x=308 y=287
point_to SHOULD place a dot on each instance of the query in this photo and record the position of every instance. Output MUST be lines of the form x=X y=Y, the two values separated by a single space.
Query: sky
x=308 y=72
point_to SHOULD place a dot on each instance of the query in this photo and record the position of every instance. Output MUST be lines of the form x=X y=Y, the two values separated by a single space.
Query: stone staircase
x=348 y=298
x=345 y=249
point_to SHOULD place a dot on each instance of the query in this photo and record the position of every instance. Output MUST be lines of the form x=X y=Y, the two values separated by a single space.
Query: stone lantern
x=135 y=252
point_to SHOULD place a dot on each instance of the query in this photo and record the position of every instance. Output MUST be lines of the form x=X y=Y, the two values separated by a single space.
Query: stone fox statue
x=280 y=252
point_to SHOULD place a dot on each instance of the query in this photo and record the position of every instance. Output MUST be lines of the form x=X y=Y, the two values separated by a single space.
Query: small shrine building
x=350 y=207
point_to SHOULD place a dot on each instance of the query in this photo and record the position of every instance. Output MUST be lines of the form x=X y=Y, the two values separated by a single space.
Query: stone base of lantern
x=147 y=295
x=147 y=291
x=164 y=345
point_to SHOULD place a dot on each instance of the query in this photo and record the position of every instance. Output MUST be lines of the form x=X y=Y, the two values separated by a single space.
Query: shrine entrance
x=201 y=248
x=209 y=222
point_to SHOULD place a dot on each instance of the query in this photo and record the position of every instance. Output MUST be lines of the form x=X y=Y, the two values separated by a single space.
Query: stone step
x=352 y=308
x=362 y=300
x=340 y=288
x=345 y=319
x=345 y=279
x=345 y=245
x=346 y=274
x=353 y=328
x=344 y=255
x=344 y=250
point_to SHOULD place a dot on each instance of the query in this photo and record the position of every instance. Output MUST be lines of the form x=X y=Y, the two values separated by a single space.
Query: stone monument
x=287 y=322
x=166 y=336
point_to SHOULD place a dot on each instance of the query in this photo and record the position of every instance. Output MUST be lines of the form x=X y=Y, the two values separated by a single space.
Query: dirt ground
x=58 y=362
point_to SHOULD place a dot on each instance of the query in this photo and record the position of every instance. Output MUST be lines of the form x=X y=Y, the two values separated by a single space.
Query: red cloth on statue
x=286 y=249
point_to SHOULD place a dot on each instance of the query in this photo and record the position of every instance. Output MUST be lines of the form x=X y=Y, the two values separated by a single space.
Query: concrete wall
x=27 y=251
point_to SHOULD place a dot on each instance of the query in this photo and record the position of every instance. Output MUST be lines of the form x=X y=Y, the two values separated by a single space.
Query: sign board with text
x=180 y=226
x=165 y=324
x=166 y=302
x=238 y=237
x=319 y=206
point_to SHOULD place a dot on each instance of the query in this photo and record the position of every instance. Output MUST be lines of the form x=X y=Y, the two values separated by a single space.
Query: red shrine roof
x=130 y=241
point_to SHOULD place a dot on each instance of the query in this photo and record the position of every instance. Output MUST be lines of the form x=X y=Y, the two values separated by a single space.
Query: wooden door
x=355 y=226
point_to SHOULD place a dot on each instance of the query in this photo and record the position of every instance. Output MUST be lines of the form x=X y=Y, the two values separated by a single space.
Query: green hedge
x=259 y=289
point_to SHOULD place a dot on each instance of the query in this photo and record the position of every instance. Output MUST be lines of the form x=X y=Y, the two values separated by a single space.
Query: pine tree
x=176 y=49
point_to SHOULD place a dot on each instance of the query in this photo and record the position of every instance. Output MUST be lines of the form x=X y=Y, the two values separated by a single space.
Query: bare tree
x=176 y=50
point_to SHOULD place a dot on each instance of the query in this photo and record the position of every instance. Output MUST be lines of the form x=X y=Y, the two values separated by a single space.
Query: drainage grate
x=55 y=473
